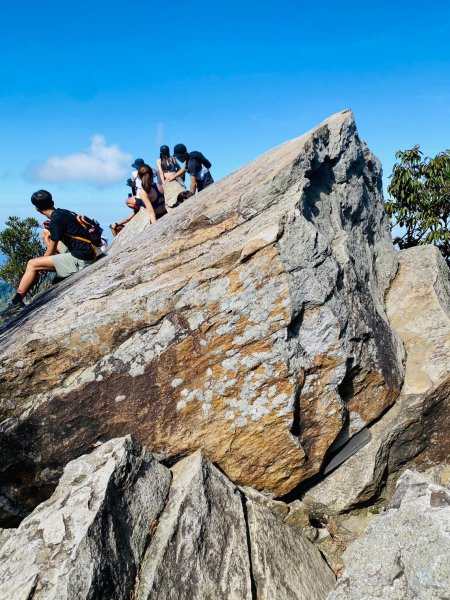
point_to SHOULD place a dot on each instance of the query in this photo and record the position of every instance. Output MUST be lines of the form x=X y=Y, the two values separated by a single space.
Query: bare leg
x=131 y=202
x=44 y=263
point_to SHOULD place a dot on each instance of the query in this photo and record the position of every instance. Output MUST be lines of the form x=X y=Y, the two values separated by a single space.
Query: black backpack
x=93 y=233
x=93 y=229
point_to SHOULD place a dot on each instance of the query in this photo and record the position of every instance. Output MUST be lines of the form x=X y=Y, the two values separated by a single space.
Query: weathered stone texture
x=113 y=530
x=404 y=553
x=418 y=307
x=244 y=322
x=88 y=539
x=416 y=427
x=285 y=565
x=414 y=430
x=199 y=550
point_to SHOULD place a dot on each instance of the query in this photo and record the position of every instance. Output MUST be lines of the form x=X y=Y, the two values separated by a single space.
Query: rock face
x=88 y=539
x=418 y=307
x=248 y=322
x=412 y=542
x=284 y=563
x=113 y=530
x=200 y=546
x=416 y=428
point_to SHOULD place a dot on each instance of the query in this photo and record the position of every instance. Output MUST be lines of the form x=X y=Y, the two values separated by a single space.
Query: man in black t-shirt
x=68 y=248
x=196 y=165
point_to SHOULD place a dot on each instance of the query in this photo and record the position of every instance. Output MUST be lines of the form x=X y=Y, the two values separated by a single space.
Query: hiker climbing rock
x=70 y=248
x=196 y=164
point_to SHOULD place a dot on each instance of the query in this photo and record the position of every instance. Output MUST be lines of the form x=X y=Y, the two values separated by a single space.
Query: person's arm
x=193 y=186
x=206 y=162
x=148 y=205
x=179 y=173
x=160 y=171
x=52 y=247
x=56 y=234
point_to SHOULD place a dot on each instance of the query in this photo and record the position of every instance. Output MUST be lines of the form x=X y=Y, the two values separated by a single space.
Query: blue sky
x=98 y=82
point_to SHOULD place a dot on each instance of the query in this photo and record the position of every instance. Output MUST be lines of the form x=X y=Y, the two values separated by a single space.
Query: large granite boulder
x=404 y=553
x=114 y=530
x=415 y=429
x=248 y=322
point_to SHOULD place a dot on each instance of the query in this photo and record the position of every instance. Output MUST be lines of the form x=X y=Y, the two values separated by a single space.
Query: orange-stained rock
x=248 y=322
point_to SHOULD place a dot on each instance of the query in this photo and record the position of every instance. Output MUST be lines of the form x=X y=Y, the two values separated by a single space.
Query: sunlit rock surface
x=404 y=553
x=88 y=539
x=248 y=322
x=120 y=525
x=416 y=428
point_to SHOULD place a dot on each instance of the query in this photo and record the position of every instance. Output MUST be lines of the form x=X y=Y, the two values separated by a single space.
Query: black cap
x=138 y=163
x=179 y=151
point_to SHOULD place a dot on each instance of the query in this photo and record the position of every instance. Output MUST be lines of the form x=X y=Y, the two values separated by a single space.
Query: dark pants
x=202 y=184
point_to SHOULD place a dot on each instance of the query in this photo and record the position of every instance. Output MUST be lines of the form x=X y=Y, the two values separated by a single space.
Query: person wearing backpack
x=70 y=248
x=196 y=164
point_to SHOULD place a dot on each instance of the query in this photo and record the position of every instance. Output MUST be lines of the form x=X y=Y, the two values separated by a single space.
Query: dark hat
x=179 y=151
x=138 y=163
x=164 y=151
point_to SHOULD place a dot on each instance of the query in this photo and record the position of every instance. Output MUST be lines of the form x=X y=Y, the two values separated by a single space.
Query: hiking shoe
x=11 y=309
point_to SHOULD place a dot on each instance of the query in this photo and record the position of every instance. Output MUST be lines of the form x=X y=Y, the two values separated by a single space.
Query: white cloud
x=100 y=164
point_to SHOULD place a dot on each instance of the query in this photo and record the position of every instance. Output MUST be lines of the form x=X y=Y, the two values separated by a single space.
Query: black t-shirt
x=63 y=222
x=195 y=161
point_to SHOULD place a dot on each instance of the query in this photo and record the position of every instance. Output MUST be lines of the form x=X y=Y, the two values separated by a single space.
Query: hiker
x=168 y=165
x=151 y=196
x=135 y=184
x=196 y=165
x=76 y=251
x=136 y=188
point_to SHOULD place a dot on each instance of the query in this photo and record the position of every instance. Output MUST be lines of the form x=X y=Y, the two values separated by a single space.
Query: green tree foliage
x=420 y=204
x=19 y=242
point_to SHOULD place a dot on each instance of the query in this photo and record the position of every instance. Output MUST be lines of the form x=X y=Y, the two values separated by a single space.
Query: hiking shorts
x=66 y=264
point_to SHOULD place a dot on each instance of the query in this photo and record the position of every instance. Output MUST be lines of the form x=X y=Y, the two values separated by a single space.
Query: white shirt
x=138 y=183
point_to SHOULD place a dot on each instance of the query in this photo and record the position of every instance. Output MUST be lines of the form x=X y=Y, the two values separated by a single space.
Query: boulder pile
x=121 y=525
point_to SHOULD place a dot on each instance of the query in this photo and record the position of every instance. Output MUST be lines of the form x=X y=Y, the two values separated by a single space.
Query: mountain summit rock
x=249 y=323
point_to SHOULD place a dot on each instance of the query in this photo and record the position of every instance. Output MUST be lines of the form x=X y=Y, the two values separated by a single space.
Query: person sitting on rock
x=136 y=188
x=68 y=249
x=196 y=164
x=151 y=196
x=166 y=164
